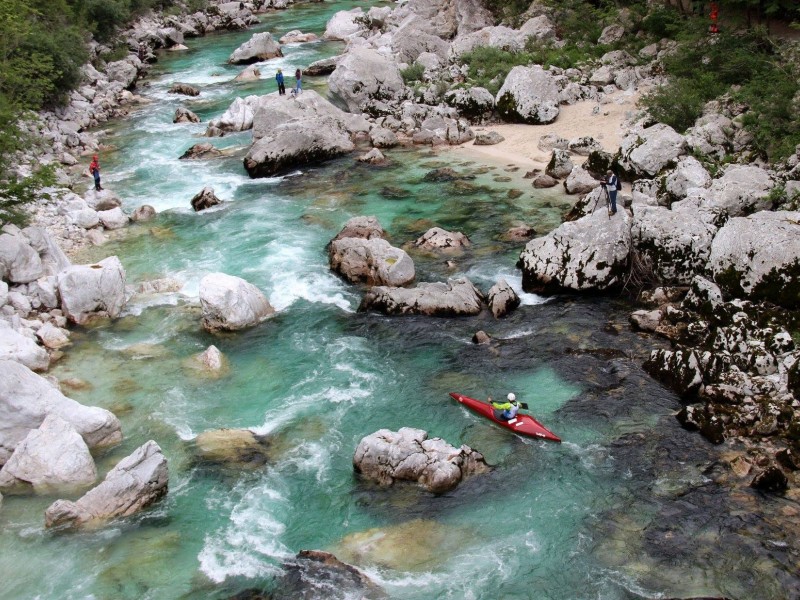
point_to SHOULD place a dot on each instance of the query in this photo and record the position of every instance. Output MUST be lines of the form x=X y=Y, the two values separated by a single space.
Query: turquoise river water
x=612 y=513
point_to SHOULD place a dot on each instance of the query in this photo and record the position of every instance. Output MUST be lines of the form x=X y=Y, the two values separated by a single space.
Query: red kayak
x=522 y=424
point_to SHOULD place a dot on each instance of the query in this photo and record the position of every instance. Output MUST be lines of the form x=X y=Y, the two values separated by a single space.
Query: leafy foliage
x=412 y=73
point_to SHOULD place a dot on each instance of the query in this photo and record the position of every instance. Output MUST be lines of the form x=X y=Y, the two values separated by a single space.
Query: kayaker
x=505 y=411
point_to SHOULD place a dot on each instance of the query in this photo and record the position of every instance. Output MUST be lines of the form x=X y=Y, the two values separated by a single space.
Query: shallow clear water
x=551 y=521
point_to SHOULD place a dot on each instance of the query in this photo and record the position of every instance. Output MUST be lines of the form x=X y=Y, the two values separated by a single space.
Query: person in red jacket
x=94 y=169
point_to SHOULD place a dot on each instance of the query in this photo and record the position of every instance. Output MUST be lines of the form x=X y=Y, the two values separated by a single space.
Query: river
x=625 y=508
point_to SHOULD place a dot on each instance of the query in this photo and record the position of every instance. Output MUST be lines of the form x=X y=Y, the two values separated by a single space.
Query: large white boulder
x=345 y=24
x=260 y=47
x=458 y=297
x=230 y=303
x=759 y=257
x=22 y=349
x=646 y=152
x=363 y=76
x=688 y=173
x=590 y=254
x=372 y=261
x=19 y=262
x=741 y=190
x=237 y=117
x=676 y=243
x=92 y=290
x=529 y=95
x=134 y=484
x=53 y=458
x=408 y=454
x=27 y=398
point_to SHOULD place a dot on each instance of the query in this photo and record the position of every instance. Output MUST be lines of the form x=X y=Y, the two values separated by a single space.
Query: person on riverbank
x=612 y=185
x=298 y=86
x=94 y=169
x=505 y=411
x=281 y=86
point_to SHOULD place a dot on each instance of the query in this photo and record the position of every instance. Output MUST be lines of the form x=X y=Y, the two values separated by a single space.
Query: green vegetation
x=412 y=73
x=742 y=63
x=42 y=49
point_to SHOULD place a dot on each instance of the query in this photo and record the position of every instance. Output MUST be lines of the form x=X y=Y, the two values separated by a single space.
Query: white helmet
x=511 y=396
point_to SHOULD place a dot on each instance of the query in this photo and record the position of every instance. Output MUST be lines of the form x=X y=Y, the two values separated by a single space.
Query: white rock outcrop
x=372 y=261
x=134 y=484
x=260 y=47
x=529 y=95
x=53 y=458
x=92 y=290
x=21 y=348
x=230 y=303
x=363 y=76
x=26 y=399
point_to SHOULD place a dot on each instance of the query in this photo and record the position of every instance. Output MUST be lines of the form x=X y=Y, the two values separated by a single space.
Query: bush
x=412 y=73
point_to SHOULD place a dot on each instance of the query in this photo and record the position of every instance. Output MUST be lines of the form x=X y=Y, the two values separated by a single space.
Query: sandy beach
x=587 y=118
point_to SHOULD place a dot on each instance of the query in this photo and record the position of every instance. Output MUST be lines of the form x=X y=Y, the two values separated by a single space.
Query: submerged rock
x=204 y=199
x=203 y=150
x=437 y=239
x=231 y=303
x=315 y=574
x=210 y=363
x=409 y=455
x=184 y=89
x=134 y=484
x=184 y=115
x=456 y=298
x=239 y=448
x=372 y=261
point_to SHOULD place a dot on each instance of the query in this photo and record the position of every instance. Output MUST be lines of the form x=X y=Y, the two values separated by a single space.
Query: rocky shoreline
x=715 y=257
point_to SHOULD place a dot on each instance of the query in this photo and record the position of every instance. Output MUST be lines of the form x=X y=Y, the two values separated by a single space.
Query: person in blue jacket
x=279 y=79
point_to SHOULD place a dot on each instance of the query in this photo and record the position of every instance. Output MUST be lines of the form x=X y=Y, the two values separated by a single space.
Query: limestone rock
x=647 y=152
x=297 y=37
x=373 y=157
x=231 y=303
x=362 y=76
x=757 y=256
x=437 y=239
x=249 y=74
x=529 y=95
x=676 y=243
x=488 y=138
x=52 y=337
x=457 y=297
x=544 y=181
x=26 y=399
x=580 y=181
x=259 y=47
x=19 y=262
x=183 y=89
x=742 y=189
x=88 y=290
x=210 y=363
x=102 y=200
x=324 y=66
x=204 y=199
x=134 y=484
x=143 y=213
x=238 y=117
x=689 y=173
x=383 y=138
x=344 y=24
x=408 y=454
x=311 y=566
x=239 y=448
x=475 y=103
x=560 y=165
x=22 y=349
x=502 y=299
x=113 y=218
x=361 y=227
x=372 y=261
x=589 y=254
x=203 y=150
x=53 y=458
x=184 y=115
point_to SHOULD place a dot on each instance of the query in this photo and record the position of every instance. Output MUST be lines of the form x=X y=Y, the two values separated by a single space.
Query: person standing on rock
x=94 y=169
x=279 y=79
x=298 y=87
x=612 y=185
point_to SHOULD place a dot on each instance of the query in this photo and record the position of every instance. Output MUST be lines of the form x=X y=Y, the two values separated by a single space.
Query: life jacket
x=501 y=405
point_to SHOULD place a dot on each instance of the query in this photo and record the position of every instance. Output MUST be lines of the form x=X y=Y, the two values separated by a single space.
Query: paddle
x=523 y=405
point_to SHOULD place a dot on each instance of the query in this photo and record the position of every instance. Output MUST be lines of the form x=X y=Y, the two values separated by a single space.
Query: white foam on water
x=489 y=274
x=249 y=543
x=311 y=457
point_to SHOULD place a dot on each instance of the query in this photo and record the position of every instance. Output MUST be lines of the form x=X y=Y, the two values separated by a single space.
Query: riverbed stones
x=260 y=47
x=372 y=261
x=240 y=448
x=211 y=363
x=26 y=399
x=51 y=459
x=363 y=76
x=143 y=213
x=88 y=291
x=202 y=150
x=409 y=455
x=589 y=254
x=184 y=115
x=373 y=157
x=230 y=303
x=528 y=95
x=184 y=89
x=455 y=298
x=502 y=299
x=437 y=239
x=757 y=256
x=135 y=483
x=205 y=198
